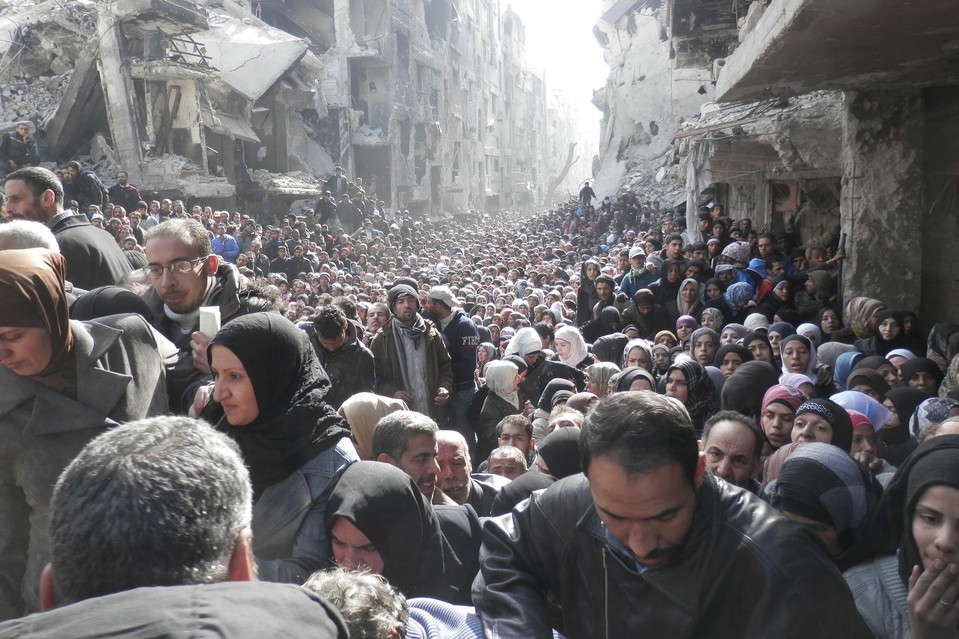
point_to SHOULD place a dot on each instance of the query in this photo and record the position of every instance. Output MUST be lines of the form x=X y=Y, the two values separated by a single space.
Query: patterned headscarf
x=929 y=413
x=738 y=294
x=837 y=417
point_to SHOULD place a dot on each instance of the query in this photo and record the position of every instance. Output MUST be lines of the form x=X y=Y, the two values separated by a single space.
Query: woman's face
x=829 y=322
x=563 y=348
x=676 y=386
x=481 y=357
x=25 y=351
x=684 y=331
x=592 y=271
x=909 y=325
x=713 y=291
x=761 y=351
x=796 y=357
x=774 y=340
x=924 y=382
x=782 y=292
x=889 y=329
x=728 y=336
x=666 y=340
x=718 y=229
x=894 y=420
x=662 y=358
x=935 y=525
x=352 y=549
x=863 y=440
x=777 y=423
x=708 y=320
x=637 y=357
x=592 y=386
x=672 y=275
x=704 y=350
x=811 y=428
x=731 y=361
x=232 y=387
x=494 y=332
x=689 y=292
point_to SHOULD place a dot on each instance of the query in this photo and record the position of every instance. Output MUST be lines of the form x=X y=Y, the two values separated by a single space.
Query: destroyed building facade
x=842 y=116
x=251 y=103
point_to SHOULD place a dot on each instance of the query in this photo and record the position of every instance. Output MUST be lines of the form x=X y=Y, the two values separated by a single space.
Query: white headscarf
x=577 y=344
x=500 y=376
x=525 y=342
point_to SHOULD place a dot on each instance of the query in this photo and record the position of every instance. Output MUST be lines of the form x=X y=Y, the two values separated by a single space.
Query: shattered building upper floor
x=253 y=102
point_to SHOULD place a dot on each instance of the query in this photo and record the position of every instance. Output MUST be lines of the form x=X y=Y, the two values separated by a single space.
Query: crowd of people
x=583 y=422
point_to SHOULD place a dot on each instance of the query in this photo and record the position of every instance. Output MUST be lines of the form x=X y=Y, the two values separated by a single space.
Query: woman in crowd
x=688 y=382
x=823 y=420
x=831 y=494
x=730 y=357
x=703 y=344
x=758 y=344
x=362 y=411
x=571 y=348
x=687 y=302
x=63 y=382
x=779 y=406
x=379 y=521
x=638 y=353
x=922 y=373
x=502 y=379
x=888 y=336
x=912 y=593
x=270 y=386
x=485 y=353
x=635 y=379
x=828 y=321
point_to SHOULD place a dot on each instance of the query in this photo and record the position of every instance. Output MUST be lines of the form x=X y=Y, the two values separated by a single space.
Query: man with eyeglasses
x=184 y=275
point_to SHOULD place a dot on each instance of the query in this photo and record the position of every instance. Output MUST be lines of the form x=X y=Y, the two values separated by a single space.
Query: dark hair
x=330 y=322
x=640 y=432
x=544 y=330
x=38 y=180
x=158 y=502
x=392 y=433
x=515 y=420
x=672 y=237
x=739 y=418
x=186 y=230
x=347 y=306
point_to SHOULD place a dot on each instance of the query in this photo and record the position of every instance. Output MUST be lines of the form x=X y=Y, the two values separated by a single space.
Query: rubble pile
x=295 y=183
x=27 y=98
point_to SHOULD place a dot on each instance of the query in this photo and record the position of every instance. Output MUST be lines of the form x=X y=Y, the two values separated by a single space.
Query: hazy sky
x=559 y=40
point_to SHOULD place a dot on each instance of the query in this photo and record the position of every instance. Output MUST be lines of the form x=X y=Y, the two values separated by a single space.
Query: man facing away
x=647 y=543
x=150 y=527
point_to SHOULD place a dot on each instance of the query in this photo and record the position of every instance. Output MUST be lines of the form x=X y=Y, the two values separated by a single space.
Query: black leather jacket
x=744 y=571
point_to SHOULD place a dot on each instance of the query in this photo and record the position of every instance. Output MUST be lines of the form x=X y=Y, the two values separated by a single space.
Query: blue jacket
x=461 y=339
x=227 y=248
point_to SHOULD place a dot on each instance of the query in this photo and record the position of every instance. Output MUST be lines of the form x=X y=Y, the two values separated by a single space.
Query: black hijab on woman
x=384 y=503
x=701 y=397
x=560 y=451
x=934 y=462
x=294 y=424
x=898 y=443
x=630 y=375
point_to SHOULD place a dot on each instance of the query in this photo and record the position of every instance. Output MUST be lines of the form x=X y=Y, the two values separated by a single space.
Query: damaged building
x=842 y=117
x=251 y=103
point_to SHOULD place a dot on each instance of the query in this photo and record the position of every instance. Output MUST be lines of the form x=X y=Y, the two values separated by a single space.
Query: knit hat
x=399 y=291
x=738 y=251
x=755 y=322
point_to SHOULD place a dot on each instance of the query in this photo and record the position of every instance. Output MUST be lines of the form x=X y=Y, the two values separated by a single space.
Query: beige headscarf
x=362 y=411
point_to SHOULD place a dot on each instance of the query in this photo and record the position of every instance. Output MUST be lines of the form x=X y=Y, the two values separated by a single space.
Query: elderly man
x=507 y=461
x=407 y=440
x=456 y=478
x=647 y=543
x=120 y=568
x=733 y=446
x=93 y=257
x=410 y=356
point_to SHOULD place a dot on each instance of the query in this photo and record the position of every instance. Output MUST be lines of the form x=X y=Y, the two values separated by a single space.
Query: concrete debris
x=289 y=184
x=27 y=98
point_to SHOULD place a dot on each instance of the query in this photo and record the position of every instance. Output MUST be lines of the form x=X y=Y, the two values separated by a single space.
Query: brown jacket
x=388 y=377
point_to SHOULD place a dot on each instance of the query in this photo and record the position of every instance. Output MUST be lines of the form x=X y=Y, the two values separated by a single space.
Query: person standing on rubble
x=18 y=148
x=124 y=193
x=85 y=187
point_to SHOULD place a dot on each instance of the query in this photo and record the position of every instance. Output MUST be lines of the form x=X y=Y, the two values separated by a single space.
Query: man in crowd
x=18 y=149
x=461 y=338
x=93 y=257
x=123 y=193
x=507 y=461
x=85 y=187
x=646 y=542
x=411 y=359
x=119 y=568
x=456 y=479
x=348 y=363
x=184 y=275
x=733 y=446
x=407 y=440
x=224 y=244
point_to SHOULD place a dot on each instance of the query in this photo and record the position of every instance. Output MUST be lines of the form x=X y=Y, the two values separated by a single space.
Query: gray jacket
x=121 y=377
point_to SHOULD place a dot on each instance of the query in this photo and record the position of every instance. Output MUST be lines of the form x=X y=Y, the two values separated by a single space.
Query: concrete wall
x=940 y=228
x=883 y=135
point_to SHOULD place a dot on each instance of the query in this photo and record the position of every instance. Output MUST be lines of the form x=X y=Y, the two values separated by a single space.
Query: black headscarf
x=934 y=462
x=108 y=300
x=294 y=424
x=755 y=335
x=837 y=417
x=609 y=348
x=630 y=375
x=743 y=391
x=518 y=490
x=554 y=386
x=921 y=365
x=701 y=397
x=560 y=451
x=725 y=349
x=881 y=346
x=384 y=503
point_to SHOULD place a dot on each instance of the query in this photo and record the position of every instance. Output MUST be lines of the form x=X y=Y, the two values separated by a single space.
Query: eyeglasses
x=180 y=267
